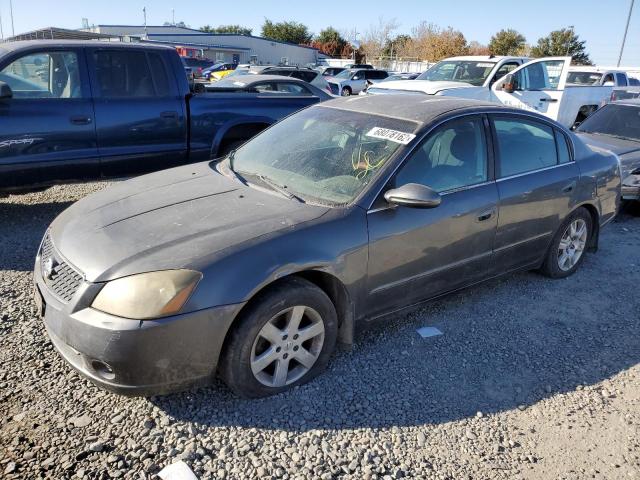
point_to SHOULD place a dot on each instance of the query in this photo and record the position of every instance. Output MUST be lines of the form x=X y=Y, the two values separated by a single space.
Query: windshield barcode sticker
x=392 y=135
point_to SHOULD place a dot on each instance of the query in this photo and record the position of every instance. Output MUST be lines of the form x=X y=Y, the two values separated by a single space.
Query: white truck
x=539 y=85
x=593 y=76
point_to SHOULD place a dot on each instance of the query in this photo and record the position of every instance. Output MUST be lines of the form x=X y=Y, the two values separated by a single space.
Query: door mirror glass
x=413 y=195
x=5 y=91
x=507 y=84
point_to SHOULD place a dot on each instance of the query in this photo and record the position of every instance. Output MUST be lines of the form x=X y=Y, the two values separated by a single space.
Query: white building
x=218 y=47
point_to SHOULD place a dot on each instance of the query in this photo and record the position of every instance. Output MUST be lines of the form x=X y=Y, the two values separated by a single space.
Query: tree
x=433 y=43
x=396 y=45
x=292 y=32
x=178 y=24
x=507 y=42
x=377 y=37
x=563 y=43
x=476 y=48
x=330 y=42
x=237 y=29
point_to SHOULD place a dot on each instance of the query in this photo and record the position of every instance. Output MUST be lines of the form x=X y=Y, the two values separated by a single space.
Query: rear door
x=47 y=129
x=536 y=178
x=538 y=86
x=141 y=122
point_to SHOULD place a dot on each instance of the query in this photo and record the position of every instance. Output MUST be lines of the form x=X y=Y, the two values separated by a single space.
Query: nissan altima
x=253 y=266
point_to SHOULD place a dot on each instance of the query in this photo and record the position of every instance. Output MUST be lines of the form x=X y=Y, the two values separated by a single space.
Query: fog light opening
x=103 y=370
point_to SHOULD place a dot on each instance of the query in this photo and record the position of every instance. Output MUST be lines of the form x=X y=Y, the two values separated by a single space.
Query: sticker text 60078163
x=392 y=135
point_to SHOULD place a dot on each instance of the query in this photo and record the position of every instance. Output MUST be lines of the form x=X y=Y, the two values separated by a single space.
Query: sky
x=601 y=23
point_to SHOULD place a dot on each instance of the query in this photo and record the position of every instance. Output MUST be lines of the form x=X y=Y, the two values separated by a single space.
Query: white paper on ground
x=177 y=471
x=429 y=332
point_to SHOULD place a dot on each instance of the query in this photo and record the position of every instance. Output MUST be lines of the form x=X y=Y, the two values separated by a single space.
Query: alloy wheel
x=287 y=346
x=572 y=244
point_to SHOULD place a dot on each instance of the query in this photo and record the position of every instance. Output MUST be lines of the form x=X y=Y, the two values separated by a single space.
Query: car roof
x=248 y=80
x=415 y=108
x=29 y=44
x=489 y=58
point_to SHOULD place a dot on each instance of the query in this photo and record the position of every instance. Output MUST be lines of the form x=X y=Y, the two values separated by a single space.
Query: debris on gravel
x=530 y=379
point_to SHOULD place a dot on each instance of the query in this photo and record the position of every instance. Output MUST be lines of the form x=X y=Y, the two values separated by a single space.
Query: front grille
x=62 y=279
x=334 y=88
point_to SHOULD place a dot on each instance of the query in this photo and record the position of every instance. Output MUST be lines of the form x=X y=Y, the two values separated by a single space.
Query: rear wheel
x=283 y=339
x=568 y=246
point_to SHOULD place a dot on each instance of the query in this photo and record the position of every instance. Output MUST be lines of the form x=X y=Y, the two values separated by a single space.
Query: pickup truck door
x=47 y=129
x=141 y=119
x=538 y=86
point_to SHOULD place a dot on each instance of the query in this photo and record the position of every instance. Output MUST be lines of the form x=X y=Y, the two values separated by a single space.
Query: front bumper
x=134 y=357
x=631 y=188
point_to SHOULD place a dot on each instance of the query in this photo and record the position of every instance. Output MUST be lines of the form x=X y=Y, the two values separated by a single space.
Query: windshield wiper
x=280 y=189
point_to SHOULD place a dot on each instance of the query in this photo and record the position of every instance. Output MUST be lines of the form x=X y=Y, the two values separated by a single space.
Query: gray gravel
x=532 y=379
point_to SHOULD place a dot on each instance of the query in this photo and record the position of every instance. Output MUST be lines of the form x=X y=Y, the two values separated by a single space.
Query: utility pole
x=1 y=30
x=144 y=13
x=569 y=42
x=624 y=37
x=13 y=32
x=173 y=17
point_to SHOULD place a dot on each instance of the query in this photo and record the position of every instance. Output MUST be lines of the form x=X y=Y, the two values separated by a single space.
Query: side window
x=123 y=74
x=358 y=76
x=291 y=88
x=306 y=76
x=263 y=87
x=539 y=76
x=453 y=156
x=504 y=69
x=44 y=75
x=621 y=79
x=563 y=148
x=524 y=146
x=160 y=77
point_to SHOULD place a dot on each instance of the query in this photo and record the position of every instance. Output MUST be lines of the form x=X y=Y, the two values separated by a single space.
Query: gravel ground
x=532 y=379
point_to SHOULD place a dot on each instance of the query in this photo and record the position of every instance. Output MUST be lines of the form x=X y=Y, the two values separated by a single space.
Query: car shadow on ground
x=508 y=343
x=22 y=228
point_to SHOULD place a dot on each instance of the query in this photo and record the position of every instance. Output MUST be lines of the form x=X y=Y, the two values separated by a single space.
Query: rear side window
x=524 y=146
x=375 y=75
x=123 y=74
x=621 y=79
x=291 y=88
x=160 y=76
x=306 y=76
x=563 y=148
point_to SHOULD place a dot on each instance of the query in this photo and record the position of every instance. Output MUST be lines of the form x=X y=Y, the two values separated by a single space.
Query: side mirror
x=5 y=91
x=413 y=195
x=508 y=84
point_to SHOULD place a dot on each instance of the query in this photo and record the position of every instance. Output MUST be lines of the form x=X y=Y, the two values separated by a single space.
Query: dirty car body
x=243 y=233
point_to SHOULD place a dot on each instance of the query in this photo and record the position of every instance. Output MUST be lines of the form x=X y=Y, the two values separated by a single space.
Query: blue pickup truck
x=75 y=111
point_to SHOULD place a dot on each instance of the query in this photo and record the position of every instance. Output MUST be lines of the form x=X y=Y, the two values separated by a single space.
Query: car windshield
x=622 y=121
x=322 y=155
x=346 y=74
x=583 y=78
x=466 y=71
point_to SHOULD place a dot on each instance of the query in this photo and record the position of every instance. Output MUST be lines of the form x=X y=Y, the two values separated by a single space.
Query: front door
x=415 y=254
x=140 y=116
x=537 y=86
x=47 y=128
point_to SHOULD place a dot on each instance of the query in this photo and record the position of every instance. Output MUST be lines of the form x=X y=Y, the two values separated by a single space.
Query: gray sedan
x=255 y=265
x=616 y=127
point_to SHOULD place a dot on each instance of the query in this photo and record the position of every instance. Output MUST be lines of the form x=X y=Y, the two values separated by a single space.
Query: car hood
x=628 y=151
x=177 y=218
x=425 y=86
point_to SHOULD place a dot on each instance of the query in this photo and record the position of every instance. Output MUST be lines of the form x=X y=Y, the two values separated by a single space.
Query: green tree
x=330 y=34
x=330 y=42
x=293 y=32
x=507 y=42
x=396 y=45
x=237 y=29
x=563 y=43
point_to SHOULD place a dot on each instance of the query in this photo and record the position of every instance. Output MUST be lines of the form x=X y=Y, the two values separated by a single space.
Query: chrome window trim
x=529 y=172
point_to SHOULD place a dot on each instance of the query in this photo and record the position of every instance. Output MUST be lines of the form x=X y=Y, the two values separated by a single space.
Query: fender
x=224 y=129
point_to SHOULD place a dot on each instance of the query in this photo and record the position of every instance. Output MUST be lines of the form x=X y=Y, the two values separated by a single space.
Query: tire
x=560 y=262
x=248 y=350
x=346 y=92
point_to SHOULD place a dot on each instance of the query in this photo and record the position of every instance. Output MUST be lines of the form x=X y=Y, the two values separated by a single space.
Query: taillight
x=613 y=96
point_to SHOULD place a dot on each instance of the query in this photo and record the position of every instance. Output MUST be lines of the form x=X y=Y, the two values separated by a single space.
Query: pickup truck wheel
x=569 y=245
x=346 y=92
x=283 y=339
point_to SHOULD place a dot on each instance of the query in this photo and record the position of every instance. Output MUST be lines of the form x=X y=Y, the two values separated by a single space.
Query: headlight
x=147 y=295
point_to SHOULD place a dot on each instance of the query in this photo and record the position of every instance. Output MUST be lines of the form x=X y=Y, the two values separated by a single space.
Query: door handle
x=486 y=215
x=169 y=115
x=569 y=187
x=550 y=100
x=80 y=120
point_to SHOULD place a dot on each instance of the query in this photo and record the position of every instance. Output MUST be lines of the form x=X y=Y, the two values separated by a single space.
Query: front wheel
x=283 y=339
x=568 y=246
x=346 y=92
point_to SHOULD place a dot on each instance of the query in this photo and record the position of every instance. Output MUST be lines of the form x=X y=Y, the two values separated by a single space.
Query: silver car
x=352 y=82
